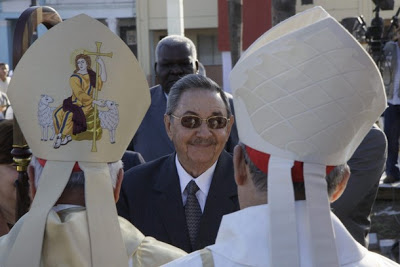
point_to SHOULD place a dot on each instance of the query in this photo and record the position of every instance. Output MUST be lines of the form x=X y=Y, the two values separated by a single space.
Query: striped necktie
x=193 y=212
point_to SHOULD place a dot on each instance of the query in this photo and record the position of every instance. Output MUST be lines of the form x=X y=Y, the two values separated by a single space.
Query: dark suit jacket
x=151 y=200
x=367 y=164
x=131 y=159
x=151 y=139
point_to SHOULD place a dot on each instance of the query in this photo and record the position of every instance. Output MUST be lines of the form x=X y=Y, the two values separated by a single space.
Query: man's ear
x=239 y=166
x=230 y=124
x=156 y=73
x=117 y=189
x=341 y=186
x=31 y=177
x=167 y=124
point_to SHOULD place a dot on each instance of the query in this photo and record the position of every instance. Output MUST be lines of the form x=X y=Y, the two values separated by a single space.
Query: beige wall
x=197 y=13
x=200 y=16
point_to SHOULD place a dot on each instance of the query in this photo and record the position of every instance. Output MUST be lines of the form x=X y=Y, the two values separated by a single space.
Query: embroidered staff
x=97 y=53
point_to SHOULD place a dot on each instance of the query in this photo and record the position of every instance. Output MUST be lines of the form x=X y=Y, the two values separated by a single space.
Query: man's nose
x=176 y=68
x=203 y=130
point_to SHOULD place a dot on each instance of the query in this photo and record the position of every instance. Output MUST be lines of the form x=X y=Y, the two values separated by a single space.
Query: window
x=207 y=49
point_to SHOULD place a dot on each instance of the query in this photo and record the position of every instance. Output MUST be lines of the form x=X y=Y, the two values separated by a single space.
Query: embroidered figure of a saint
x=74 y=119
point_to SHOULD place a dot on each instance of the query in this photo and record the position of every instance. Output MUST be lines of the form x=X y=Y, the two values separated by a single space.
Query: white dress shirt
x=4 y=85
x=203 y=182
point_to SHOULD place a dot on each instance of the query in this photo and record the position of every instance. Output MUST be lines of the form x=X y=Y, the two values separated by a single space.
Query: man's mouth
x=203 y=142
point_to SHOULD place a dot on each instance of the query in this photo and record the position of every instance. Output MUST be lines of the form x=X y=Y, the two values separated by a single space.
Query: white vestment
x=242 y=241
x=67 y=243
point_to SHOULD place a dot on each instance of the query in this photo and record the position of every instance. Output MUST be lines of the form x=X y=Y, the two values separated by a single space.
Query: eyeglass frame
x=201 y=119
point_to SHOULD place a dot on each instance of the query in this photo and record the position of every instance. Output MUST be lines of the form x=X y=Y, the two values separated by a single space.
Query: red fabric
x=297 y=172
x=76 y=168
x=256 y=17
x=261 y=160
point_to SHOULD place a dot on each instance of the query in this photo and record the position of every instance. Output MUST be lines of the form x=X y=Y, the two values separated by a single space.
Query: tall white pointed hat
x=79 y=95
x=305 y=91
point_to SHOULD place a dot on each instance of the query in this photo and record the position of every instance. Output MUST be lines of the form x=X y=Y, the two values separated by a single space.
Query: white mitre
x=305 y=91
x=51 y=94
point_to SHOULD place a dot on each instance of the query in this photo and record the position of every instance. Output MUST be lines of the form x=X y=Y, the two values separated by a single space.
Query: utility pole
x=175 y=17
x=282 y=9
x=235 y=29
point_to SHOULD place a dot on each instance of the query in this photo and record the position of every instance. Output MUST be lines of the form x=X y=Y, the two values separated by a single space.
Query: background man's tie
x=193 y=212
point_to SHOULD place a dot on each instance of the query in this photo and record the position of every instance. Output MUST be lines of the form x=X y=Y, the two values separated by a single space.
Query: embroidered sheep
x=109 y=118
x=45 y=116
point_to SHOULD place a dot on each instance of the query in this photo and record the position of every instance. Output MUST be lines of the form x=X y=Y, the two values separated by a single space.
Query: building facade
x=118 y=15
x=200 y=20
x=142 y=23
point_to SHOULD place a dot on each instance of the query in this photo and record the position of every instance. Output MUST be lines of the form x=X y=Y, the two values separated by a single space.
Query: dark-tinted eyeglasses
x=193 y=121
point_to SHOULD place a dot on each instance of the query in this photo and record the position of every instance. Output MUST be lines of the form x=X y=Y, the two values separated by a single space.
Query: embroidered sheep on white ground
x=45 y=116
x=109 y=118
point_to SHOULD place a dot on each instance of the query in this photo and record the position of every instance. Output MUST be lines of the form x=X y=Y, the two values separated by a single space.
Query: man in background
x=391 y=75
x=8 y=176
x=4 y=79
x=367 y=164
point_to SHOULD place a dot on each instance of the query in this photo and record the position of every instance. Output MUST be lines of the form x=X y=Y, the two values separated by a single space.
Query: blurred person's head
x=74 y=192
x=253 y=182
x=3 y=71
x=8 y=173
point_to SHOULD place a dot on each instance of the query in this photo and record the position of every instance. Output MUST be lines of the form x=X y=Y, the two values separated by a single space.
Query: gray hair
x=174 y=40
x=260 y=179
x=194 y=82
x=77 y=179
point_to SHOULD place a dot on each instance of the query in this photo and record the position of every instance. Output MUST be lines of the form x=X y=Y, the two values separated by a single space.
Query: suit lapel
x=222 y=199
x=170 y=206
x=160 y=107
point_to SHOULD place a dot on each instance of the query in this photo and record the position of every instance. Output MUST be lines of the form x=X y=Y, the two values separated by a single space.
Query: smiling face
x=174 y=62
x=198 y=149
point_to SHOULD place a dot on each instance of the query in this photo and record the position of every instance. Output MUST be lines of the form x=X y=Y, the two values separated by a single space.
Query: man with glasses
x=181 y=198
x=175 y=57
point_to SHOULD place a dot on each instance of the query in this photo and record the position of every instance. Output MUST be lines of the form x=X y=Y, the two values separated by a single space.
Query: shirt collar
x=203 y=181
x=60 y=207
